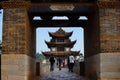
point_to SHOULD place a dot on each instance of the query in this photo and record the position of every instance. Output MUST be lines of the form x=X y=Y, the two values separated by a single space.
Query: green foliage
x=0 y=46
x=39 y=57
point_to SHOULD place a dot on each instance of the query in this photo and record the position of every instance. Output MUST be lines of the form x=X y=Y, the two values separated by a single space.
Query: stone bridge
x=101 y=35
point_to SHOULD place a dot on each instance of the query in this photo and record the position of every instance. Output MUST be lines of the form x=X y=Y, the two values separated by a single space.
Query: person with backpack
x=52 y=61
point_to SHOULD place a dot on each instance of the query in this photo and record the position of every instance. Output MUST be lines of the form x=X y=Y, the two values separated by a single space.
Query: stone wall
x=44 y=68
x=110 y=66
x=17 y=67
x=18 y=35
x=106 y=65
x=92 y=67
x=110 y=30
x=103 y=66
x=14 y=31
x=18 y=45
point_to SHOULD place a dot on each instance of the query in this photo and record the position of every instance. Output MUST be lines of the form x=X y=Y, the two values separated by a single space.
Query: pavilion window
x=60 y=49
x=60 y=40
x=52 y=40
x=67 y=49
x=53 y=49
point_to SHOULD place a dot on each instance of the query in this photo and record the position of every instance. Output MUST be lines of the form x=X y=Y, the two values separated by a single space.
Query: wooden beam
x=78 y=7
x=60 y=23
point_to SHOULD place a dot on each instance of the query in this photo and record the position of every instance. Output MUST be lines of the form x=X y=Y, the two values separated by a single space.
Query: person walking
x=59 y=62
x=68 y=63
x=52 y=61
x=72 y=60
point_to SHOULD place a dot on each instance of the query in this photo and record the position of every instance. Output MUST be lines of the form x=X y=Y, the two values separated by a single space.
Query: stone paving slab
x=61 y=75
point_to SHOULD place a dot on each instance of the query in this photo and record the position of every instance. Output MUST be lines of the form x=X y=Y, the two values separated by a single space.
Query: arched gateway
x=101 y=30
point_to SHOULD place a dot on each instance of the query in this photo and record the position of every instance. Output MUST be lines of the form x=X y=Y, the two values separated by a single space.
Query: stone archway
x=102 y=41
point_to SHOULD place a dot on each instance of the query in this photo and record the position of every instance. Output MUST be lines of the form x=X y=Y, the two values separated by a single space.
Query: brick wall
x=18 y=35
x=18 y=45
x=110 y=30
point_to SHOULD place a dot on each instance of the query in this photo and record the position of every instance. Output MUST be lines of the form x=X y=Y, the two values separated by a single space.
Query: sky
x=1 y=18
x=42 y=35
x=77 y=35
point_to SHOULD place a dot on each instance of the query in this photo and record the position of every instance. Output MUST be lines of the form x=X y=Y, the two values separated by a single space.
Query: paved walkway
x=61 y=75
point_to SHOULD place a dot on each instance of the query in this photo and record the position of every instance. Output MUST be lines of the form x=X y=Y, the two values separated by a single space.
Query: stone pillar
x=18 y=57
x=92 y=46
x=110 y=42
x=17 y=67
x=105 y=65
x=92 y=35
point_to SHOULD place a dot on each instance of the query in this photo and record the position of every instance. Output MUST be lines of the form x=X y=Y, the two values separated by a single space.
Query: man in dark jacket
x=52 y=61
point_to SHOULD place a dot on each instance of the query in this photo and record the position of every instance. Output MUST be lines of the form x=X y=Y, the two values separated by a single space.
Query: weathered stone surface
x=103 y=66
x=18 y=35
x=92 y=67
x=109 y=30
x=110 y=65
x=44 y=68
x=17 y=67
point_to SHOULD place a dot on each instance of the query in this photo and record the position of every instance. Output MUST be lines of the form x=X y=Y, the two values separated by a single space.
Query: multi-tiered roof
x=60 y=44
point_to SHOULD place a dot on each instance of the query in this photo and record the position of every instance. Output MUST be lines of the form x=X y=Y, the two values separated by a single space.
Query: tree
x=39 y=57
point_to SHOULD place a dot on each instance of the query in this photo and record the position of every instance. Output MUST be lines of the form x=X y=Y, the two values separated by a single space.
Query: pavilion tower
x=60 y=44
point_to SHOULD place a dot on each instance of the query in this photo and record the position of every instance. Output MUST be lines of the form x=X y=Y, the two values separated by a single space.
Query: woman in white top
x=72 y=60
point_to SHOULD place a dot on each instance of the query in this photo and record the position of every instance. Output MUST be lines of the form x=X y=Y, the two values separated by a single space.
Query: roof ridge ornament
x=60 y=30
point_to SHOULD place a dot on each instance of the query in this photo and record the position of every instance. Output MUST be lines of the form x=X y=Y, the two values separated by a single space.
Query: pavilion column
x=18 y=56
x=106 y=64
